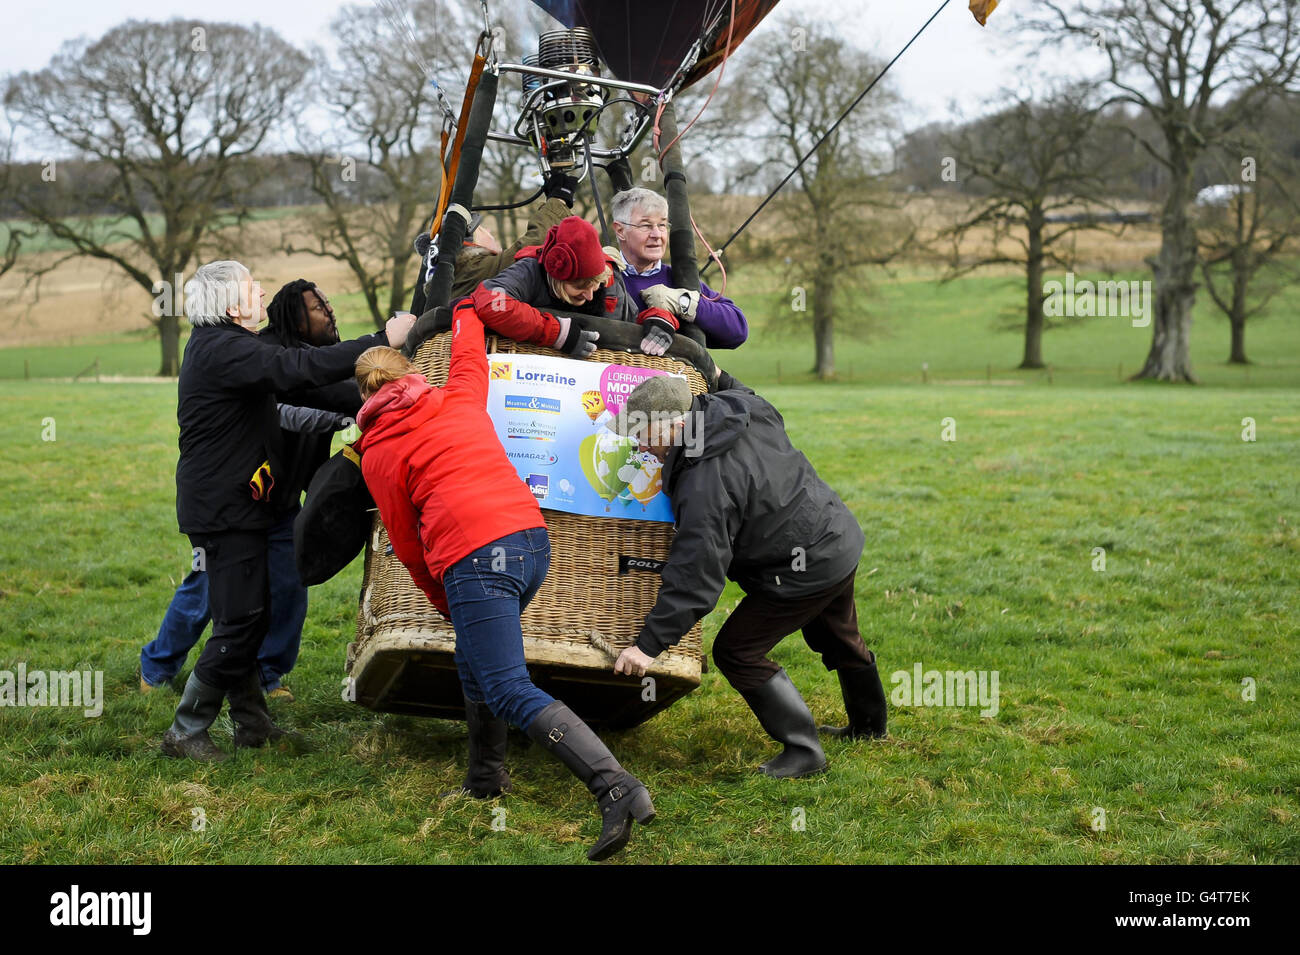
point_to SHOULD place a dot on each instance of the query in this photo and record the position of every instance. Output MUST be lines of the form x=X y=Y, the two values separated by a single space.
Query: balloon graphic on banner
x=593 y=404
x=603 y=456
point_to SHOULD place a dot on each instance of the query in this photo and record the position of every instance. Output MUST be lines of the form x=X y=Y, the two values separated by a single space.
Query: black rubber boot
x=252 y=718
x=188 y=736
x=786 y=718
x=621 y=796
x=864 y=701
x=486 y=777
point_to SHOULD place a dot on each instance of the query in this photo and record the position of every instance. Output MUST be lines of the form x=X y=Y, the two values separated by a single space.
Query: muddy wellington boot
x=785 y=716
x=864 y=701
x=620 y=795
x=188 y=736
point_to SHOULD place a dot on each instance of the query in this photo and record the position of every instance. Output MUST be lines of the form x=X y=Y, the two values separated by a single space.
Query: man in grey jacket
x=749 y=506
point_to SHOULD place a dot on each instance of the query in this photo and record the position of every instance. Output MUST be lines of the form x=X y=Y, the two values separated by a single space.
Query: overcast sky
x=955 y=57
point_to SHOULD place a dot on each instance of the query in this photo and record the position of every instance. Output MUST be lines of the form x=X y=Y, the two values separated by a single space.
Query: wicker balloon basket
x=584 y=614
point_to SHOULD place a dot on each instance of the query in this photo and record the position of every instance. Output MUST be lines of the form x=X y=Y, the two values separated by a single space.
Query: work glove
x=615 y=253
x=573 y=340
x=658 y=326
x=560 y=185
x=681 y=302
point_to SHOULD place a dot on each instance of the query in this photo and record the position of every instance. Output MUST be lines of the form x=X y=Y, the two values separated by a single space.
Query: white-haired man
x=225 y=480
x=641 y=225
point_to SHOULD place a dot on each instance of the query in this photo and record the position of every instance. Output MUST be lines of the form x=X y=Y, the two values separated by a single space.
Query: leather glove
x=657 y=327
x=681 y=302
x=573 y=340
x=559 y=185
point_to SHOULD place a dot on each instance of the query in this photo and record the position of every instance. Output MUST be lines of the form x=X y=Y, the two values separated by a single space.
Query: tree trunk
x=824 y=320
x=1175 y=267
x=169 y=334
x=1237 y=318
x=1033 y=357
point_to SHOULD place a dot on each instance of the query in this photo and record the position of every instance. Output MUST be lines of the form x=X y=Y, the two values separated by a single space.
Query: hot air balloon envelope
x=646 y=41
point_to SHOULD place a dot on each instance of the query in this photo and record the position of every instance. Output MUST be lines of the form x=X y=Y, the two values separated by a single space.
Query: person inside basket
x=641 y=224
x=231 y=457
x=749 y=506
x=571 y=271
x=474 y=540
x=481 y=255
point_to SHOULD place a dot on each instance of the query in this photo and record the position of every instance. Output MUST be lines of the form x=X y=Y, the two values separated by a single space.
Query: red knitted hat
x=572 y=251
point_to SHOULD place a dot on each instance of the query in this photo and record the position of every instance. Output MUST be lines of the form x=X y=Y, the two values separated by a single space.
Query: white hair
x=629 y=200
x=214 y=288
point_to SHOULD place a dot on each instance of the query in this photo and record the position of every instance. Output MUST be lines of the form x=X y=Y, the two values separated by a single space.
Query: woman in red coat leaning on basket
x=473 y=538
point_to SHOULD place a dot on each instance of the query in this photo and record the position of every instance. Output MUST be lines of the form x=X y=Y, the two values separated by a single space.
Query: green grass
x=972 y=329
x=1120 y=690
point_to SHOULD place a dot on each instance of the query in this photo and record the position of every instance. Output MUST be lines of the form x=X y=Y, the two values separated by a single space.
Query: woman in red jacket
x=473 y=538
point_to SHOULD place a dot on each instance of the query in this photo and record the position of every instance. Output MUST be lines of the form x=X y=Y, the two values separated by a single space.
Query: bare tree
x=169 y=109
x=1244 y=237
x=838 y=217
x=1175 y=61
x=377 y=171
x=1038 y=173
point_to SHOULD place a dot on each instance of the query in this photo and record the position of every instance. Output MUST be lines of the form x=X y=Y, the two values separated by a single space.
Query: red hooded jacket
x=433 y=463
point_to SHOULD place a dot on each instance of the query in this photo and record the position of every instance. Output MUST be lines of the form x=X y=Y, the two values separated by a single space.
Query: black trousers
x=828 y=619
x=239 y=598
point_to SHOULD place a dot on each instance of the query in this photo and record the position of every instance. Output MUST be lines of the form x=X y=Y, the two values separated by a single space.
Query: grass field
x=964 y=331
x=1120 y=691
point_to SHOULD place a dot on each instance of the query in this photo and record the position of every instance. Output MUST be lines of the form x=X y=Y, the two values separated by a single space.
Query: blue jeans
x=187 y=616
x=487 y=590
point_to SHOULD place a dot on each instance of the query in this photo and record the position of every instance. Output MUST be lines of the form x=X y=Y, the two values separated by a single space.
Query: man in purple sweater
x=641 y=224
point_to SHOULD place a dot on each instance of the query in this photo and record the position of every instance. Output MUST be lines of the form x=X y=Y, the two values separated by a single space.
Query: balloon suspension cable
x=826 y=135
x=663 y=102
x=512 y=205
x=395 y=13
x=595 y=194
x=451 y=160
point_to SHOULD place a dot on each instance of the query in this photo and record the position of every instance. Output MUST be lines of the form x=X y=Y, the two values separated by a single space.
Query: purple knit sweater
x=722 y=322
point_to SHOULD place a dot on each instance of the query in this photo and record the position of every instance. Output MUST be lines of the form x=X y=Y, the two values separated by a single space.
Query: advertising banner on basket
x=550 y=414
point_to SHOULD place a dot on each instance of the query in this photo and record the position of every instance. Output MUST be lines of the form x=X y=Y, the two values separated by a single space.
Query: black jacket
x=304 y=452
x=748 y=506
x=525 y=281
x=226 y=409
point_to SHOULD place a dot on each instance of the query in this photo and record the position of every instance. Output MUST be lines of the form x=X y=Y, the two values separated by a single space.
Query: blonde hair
x=599 y=281
x=378 y=366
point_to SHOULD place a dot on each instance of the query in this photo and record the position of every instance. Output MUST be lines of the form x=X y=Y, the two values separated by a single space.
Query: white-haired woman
x=225 y=484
